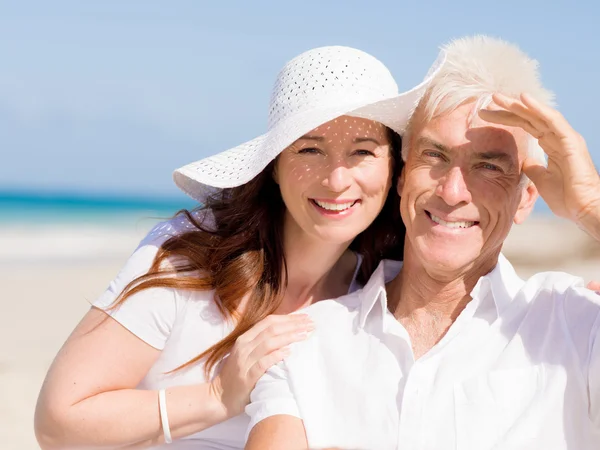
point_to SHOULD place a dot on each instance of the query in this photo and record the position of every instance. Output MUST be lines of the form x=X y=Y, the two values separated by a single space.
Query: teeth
x=334 y=206
x=451 y=224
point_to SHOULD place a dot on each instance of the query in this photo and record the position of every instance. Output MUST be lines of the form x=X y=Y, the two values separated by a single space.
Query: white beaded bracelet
x=164 y=418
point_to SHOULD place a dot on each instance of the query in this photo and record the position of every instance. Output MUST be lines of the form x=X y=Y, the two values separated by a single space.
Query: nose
x=453 y=189
x=338 y=179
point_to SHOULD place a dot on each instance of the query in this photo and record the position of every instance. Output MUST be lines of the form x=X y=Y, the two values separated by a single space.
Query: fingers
x=539 y=120
x=259 y=368
x=543 y=118
x=549 y=142
x=271 y=333
x=277 y=337
x=536 y=172
x=509 y=119
x=555 y=120
x=272 y=346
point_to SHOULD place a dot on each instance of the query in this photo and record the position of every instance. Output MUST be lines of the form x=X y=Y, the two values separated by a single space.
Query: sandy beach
x=50 y=273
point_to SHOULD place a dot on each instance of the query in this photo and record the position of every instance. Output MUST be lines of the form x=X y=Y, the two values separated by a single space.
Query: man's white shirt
x=519 y=369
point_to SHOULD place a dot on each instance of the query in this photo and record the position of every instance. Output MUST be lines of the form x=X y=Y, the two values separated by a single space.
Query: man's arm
x=275 y=421
x=281 y=432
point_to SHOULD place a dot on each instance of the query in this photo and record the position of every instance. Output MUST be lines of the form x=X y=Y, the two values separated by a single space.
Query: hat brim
x=240 y=164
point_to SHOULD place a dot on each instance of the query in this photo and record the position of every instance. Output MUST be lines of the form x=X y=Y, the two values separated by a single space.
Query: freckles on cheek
x=301 y=172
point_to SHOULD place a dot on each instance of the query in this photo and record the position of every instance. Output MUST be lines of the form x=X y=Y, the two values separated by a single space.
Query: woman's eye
x=364 y=153
x=308 y=151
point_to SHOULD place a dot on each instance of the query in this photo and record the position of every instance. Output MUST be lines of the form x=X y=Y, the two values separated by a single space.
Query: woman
x=297 y=215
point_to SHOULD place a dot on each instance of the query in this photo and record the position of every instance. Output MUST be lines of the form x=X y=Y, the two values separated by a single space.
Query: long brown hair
x=237 y=250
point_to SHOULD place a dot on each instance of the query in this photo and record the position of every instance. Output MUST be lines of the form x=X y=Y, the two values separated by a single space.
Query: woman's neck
x=316 y=270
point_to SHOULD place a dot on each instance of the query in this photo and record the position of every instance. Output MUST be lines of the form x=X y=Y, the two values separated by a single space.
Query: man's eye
x=488 y=166
x=433 y=154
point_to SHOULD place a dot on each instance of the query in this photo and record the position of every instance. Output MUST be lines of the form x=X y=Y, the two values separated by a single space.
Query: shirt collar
x=374 y=291
x=502 y=282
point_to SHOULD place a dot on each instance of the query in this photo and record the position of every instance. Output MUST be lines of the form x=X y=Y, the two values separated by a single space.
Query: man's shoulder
x=560 y=288
x=555 y=282
x=559 y=303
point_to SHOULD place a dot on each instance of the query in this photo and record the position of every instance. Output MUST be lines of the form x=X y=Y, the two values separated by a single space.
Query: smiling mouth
x=334 y=207
x=451 y=225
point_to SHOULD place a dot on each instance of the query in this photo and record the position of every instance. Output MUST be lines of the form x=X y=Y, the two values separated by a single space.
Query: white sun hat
x=312 y=89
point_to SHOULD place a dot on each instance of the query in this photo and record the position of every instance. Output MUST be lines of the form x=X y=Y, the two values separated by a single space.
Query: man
x=451 y=349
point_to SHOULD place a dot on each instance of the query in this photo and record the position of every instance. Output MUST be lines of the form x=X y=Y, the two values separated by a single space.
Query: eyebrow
x=424 y=141
x=358 y=140
x=313 y=138
x=492 y=155
x=495 y=156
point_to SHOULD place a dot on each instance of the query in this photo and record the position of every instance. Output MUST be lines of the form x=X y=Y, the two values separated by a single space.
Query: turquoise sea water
x=51 y=207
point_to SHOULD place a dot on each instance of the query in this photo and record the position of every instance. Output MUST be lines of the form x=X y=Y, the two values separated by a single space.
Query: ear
x=529 y=195
x=400 y=184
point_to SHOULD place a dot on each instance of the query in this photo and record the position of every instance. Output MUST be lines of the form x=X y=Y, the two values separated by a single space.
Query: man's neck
x=427 y=303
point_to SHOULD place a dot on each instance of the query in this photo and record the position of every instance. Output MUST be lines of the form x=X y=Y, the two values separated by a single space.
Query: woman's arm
x=89 y=396
x=279 y=432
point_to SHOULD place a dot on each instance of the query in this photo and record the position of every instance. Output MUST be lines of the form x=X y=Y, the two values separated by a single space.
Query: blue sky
x=110 y=97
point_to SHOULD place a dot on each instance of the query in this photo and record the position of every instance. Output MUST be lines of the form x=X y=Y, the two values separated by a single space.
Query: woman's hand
x=254 y=352
x=570 y=184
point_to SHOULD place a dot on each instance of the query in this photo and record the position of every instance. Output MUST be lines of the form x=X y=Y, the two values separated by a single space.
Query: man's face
x=460 y=191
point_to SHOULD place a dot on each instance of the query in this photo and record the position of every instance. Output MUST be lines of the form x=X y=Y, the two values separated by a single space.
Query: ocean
x=39 y=208
x=69 y=228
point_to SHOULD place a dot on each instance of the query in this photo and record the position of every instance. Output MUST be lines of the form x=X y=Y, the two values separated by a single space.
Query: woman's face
x=334 y=180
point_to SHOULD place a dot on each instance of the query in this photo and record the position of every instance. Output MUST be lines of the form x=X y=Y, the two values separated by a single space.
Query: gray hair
x=475 y=68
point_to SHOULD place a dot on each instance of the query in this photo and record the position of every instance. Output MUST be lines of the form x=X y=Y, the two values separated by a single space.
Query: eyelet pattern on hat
x=323 y=75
